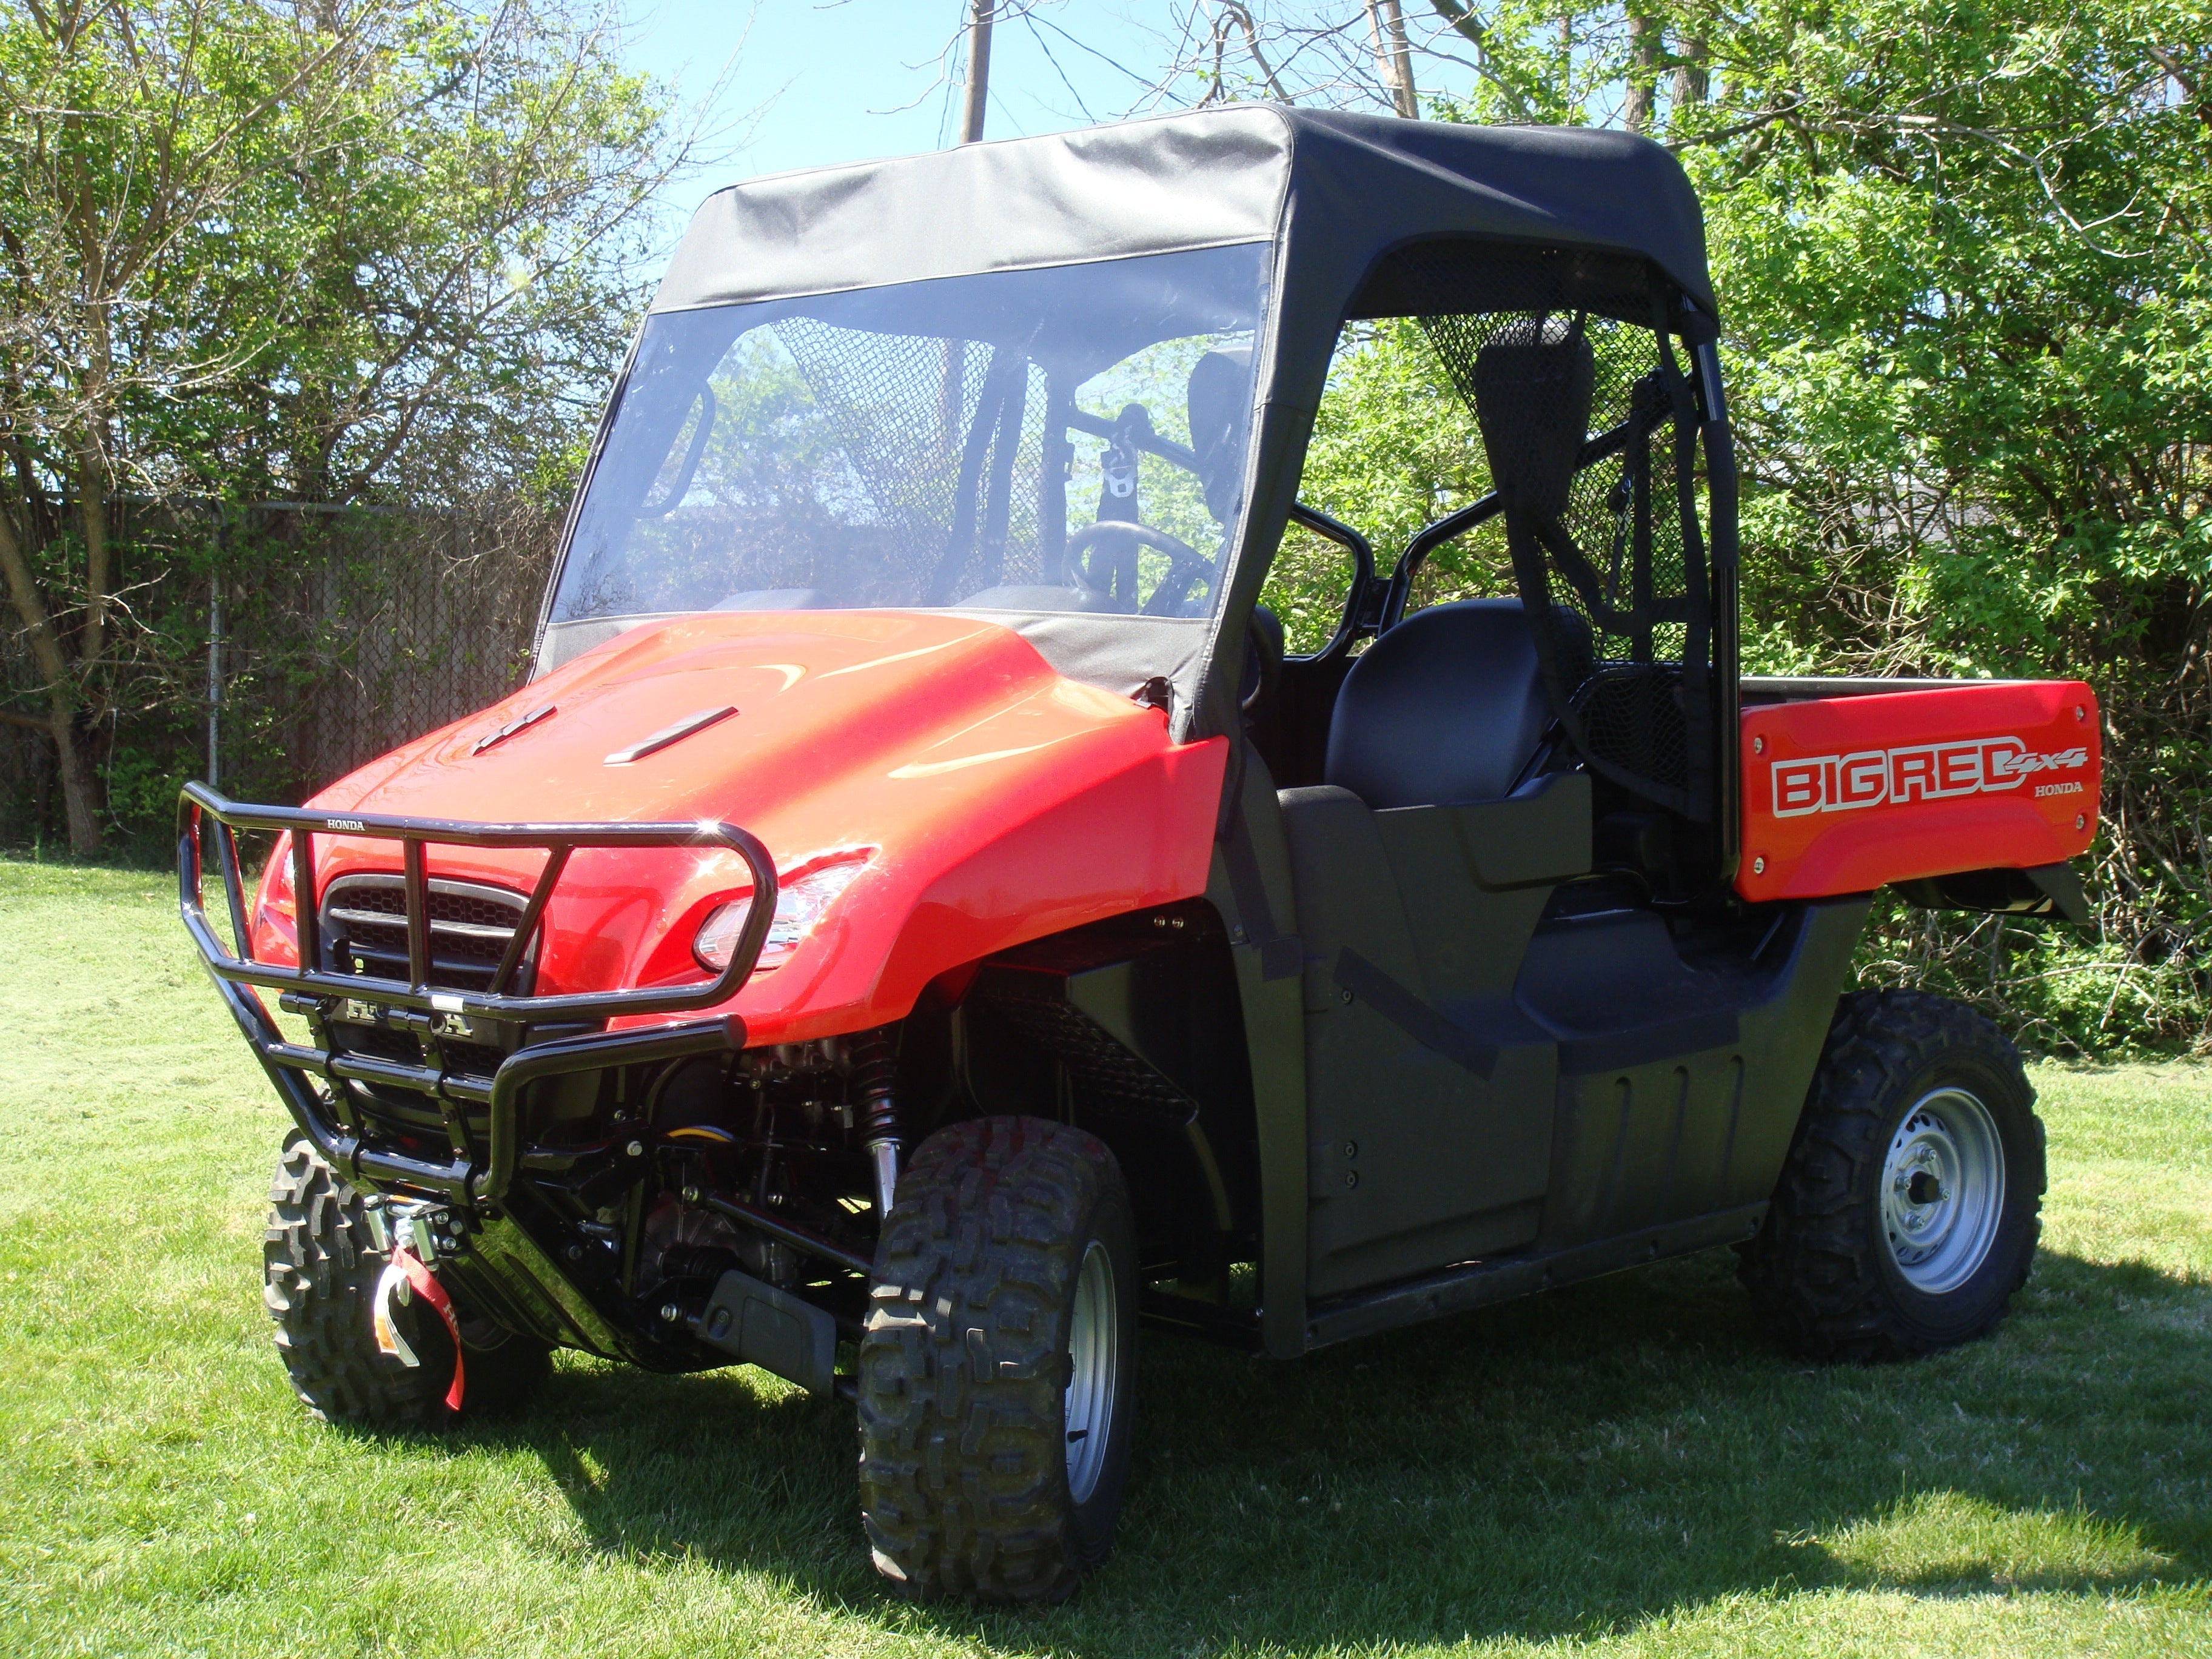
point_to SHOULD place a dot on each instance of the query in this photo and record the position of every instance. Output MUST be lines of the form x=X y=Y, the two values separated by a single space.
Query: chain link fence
x=276 y=645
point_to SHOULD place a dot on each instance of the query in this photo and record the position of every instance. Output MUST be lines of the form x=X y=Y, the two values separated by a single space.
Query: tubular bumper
x=204 y=816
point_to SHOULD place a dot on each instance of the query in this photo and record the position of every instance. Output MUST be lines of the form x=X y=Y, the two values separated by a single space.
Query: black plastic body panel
x=2042 y=889
x=507 y=1269
x=1679 y=1083
x=760 y=1325
x=1429 y=1092
x=1478 y=1284
x=1118 y=1026
x=1250 y=888
x=1292 y=729
x=1508 y=1061
x=1759 y=688
x=1665 y=1142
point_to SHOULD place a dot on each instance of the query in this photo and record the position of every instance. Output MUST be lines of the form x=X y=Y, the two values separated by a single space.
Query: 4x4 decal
x=1934 y=771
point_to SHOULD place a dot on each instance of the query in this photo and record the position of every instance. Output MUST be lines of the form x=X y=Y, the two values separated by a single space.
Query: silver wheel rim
x=1094 y=1341
x=1942 y=1190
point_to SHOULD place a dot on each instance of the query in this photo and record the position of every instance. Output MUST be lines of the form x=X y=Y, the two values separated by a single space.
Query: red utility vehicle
x=916 y=919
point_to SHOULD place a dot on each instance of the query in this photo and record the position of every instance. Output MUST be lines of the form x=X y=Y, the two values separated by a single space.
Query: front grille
x=365 y=932
x=479 y=1059
x=380 y=1043
x=365 y=928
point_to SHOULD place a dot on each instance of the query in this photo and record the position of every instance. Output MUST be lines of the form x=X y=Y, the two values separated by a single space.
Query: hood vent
x=492 y=740
x=670 y=734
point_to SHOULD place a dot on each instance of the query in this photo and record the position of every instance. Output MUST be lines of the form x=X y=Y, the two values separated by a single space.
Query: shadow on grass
x=1572 y=1464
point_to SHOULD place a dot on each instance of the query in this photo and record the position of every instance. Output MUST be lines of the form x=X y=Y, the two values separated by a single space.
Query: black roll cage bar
x=1361 y=611
x=311 y=990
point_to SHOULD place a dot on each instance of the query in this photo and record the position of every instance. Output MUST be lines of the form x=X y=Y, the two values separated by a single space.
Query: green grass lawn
x=1625 y=1467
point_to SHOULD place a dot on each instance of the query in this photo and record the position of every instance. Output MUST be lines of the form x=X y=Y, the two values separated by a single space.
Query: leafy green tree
x=332 y=251
x=1964 y=256
x=131 y=143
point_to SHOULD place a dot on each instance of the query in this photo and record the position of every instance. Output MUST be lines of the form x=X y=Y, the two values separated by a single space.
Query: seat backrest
x=1445 y=707
x=1217 y=398
x=1263 y=665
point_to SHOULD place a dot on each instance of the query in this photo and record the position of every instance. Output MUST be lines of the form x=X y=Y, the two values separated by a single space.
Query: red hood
x=991 y=799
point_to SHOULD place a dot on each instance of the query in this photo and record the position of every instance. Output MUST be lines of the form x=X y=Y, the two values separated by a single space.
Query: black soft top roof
x=1342 y=190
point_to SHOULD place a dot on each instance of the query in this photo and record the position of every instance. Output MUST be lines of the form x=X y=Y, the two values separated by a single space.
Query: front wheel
x=995 y=1370
x=320 y=1265
x=1909 y=1209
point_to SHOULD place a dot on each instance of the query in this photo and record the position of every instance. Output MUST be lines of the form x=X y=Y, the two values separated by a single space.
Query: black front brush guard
x=312 y=990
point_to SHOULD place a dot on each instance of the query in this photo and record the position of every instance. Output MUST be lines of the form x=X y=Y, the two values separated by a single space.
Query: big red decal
x=1879 y=777
x=1843 y=794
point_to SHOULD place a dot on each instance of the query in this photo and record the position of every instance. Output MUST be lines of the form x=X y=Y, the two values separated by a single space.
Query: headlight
x=799 y=906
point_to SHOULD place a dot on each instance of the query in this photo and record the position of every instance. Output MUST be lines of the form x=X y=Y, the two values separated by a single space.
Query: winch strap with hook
x=407 y=1268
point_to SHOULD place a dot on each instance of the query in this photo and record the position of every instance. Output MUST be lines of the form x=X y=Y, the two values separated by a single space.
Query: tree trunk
x=976 y=104
x=1643 y=73
x=1394 y=60
x=1691 y=83
x=92 y=511
x=80 y=778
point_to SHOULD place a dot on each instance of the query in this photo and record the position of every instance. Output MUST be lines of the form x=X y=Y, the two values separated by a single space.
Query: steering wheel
x=1186 y=564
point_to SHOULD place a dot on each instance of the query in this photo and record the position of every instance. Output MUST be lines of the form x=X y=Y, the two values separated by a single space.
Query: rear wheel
x=994 y=1373
x=320 y=1265
x=1909 y=1209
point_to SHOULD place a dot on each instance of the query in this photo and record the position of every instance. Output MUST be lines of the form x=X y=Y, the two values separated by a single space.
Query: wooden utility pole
x=979 y=70
x=953 y=399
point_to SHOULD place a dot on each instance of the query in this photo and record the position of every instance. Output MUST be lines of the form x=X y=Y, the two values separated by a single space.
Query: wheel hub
x=1942 y=1190
x=1094 y=1336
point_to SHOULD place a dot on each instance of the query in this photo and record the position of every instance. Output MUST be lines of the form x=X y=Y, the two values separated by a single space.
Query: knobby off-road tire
x=1003 y=1315
x=320 y=1265
x=1909 y=1209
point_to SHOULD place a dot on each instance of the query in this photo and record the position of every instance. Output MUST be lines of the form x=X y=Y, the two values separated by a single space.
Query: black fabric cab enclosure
x=1352 y=216
x=1342 y=189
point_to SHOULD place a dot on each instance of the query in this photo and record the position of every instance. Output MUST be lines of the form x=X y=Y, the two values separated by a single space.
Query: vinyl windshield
x=1071 y=440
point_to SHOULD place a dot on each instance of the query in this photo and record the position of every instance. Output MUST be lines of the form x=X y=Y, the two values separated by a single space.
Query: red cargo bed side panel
x=1842 y=794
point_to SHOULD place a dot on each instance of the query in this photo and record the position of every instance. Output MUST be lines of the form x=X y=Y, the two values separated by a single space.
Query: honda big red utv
x=916 y=919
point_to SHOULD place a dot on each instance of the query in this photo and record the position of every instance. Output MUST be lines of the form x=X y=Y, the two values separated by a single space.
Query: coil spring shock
x=875 y=1067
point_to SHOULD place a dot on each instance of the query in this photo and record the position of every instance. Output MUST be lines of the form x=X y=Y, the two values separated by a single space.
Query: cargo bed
x=1851 y=784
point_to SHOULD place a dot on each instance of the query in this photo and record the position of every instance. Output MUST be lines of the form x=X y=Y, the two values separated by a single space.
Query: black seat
x=1446 y=708
x=1263 y=666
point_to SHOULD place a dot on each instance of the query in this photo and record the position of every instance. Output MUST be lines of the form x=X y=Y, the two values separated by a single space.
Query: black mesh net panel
x=1589 y=430
x=904 y=405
